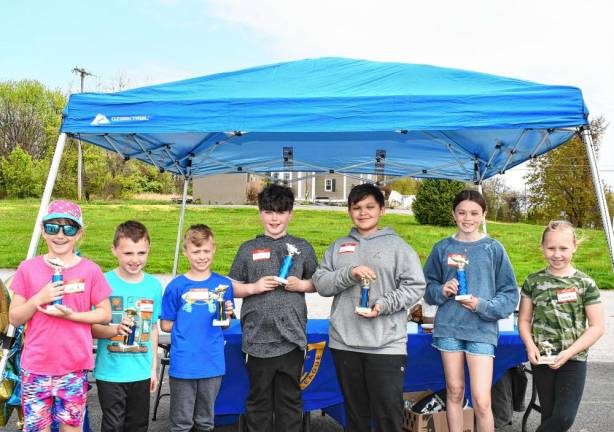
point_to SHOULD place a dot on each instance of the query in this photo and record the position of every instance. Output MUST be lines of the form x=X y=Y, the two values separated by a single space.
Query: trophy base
x=546 y=360
x=120 y=347
x=362 y=309
x=281 y=280
x=221 y=323
x=463 y=297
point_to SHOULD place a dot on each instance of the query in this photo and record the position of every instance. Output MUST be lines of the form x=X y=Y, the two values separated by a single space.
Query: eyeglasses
x=53 y=229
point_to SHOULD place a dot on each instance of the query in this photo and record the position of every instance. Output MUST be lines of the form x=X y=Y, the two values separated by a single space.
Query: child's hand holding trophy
x=545 y=353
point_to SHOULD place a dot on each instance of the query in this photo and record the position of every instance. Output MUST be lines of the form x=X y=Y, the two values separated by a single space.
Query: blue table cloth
x=319 y=382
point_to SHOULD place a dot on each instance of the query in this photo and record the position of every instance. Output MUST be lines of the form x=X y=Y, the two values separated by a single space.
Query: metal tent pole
x=186 y=181
x=82 y=73
x=53 y=173
x=603 y=204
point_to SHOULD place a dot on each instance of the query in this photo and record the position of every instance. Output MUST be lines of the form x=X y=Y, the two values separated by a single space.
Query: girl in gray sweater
x=466 y=326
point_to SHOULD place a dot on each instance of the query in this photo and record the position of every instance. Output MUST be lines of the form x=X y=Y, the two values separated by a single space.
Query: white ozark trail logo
x=102 y=119
x=317 y=350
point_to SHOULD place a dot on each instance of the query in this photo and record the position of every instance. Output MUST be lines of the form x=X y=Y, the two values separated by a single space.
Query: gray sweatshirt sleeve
x=434 y=274
x=330 y=281
x=507 y=295
x=409 y=283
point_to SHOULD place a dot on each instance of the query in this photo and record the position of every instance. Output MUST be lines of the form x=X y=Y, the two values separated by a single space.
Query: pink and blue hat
x=62 y=209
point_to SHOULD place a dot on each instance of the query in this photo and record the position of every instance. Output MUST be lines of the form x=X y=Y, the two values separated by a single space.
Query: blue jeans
x=449 y=344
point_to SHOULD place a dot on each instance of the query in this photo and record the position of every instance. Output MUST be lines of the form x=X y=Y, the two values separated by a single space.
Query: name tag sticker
x=261 y=254
x=196 y=294
x=347 y=248
x=145 y=305
x=568 y=295
x=74 y=286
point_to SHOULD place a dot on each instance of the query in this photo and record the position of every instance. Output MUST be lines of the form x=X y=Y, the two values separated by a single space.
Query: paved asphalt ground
x=596 y=412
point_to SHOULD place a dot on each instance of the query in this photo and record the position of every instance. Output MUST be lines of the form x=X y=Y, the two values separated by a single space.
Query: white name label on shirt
x=74 y=286
x=567 y=295
x=347 y=248
x=261 y=254
x=145 y=305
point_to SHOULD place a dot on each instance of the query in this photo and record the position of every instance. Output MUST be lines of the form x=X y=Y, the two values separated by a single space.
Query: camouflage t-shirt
x=559 y=315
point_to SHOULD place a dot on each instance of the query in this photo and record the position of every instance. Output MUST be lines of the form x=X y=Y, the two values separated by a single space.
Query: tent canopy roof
x=333 y=114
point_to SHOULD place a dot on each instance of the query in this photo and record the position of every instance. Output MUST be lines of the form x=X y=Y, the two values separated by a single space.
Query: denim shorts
x=449 y=344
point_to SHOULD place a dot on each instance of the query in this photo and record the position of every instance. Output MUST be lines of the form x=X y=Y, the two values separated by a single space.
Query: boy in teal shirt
x=126 y=360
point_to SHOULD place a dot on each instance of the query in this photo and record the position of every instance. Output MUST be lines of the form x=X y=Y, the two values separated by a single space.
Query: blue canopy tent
x=332 y=115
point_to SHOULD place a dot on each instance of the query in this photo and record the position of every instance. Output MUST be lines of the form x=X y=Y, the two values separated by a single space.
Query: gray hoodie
x=398 y=285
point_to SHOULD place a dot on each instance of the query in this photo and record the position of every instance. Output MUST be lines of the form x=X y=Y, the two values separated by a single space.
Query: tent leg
x=313 y=187
x=53 y=173
x=186 y=181
x=484 y=221
x=603 y=204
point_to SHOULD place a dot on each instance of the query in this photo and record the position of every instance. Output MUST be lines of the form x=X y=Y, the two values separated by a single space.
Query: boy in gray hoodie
x=369 y=346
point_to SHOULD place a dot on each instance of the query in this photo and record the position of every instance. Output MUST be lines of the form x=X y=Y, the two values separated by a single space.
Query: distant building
x=396 y=200
x=222 y=188
x=235 y=188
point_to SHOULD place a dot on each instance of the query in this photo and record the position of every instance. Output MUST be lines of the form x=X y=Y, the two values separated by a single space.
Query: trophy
x=58 y=266
x=364 y=296
x=286 y=264
x=129 y=338
x=461 y=262
x=222 y=319
x=546 y=348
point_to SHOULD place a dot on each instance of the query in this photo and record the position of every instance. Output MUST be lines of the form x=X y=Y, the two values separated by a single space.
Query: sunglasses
x=53 y=229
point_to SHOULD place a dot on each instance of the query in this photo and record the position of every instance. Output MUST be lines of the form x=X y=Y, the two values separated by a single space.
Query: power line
x=82 y=73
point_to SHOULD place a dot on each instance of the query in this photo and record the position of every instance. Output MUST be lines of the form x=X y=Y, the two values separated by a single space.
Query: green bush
x=21 y=176
x=433 y=204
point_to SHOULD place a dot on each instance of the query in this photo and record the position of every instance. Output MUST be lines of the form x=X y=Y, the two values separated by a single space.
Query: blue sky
x=147 y=42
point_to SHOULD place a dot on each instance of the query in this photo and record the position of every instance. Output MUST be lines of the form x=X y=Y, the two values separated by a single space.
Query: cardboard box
x=435 y=422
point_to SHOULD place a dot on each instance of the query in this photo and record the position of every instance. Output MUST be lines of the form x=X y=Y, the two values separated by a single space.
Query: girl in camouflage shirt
x=556 y=304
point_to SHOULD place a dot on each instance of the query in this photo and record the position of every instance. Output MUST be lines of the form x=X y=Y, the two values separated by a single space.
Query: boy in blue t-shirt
x=126 y=360
x=189 y=307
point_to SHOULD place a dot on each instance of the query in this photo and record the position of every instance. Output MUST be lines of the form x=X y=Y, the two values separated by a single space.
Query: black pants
x=560 y=392
x=274 y=387
x=372 y=387
x=125 y=406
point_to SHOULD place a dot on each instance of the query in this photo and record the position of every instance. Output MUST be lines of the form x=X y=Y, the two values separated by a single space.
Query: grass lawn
x=232 y=226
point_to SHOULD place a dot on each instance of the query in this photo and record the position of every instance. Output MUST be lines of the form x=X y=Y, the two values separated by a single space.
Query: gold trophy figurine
x=221 y=319
x=546 y=348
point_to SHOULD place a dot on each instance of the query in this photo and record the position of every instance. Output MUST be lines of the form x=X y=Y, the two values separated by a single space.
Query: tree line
x=30 y=119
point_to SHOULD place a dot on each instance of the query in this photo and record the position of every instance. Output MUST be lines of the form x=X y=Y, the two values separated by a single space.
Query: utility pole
x=83 y=73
